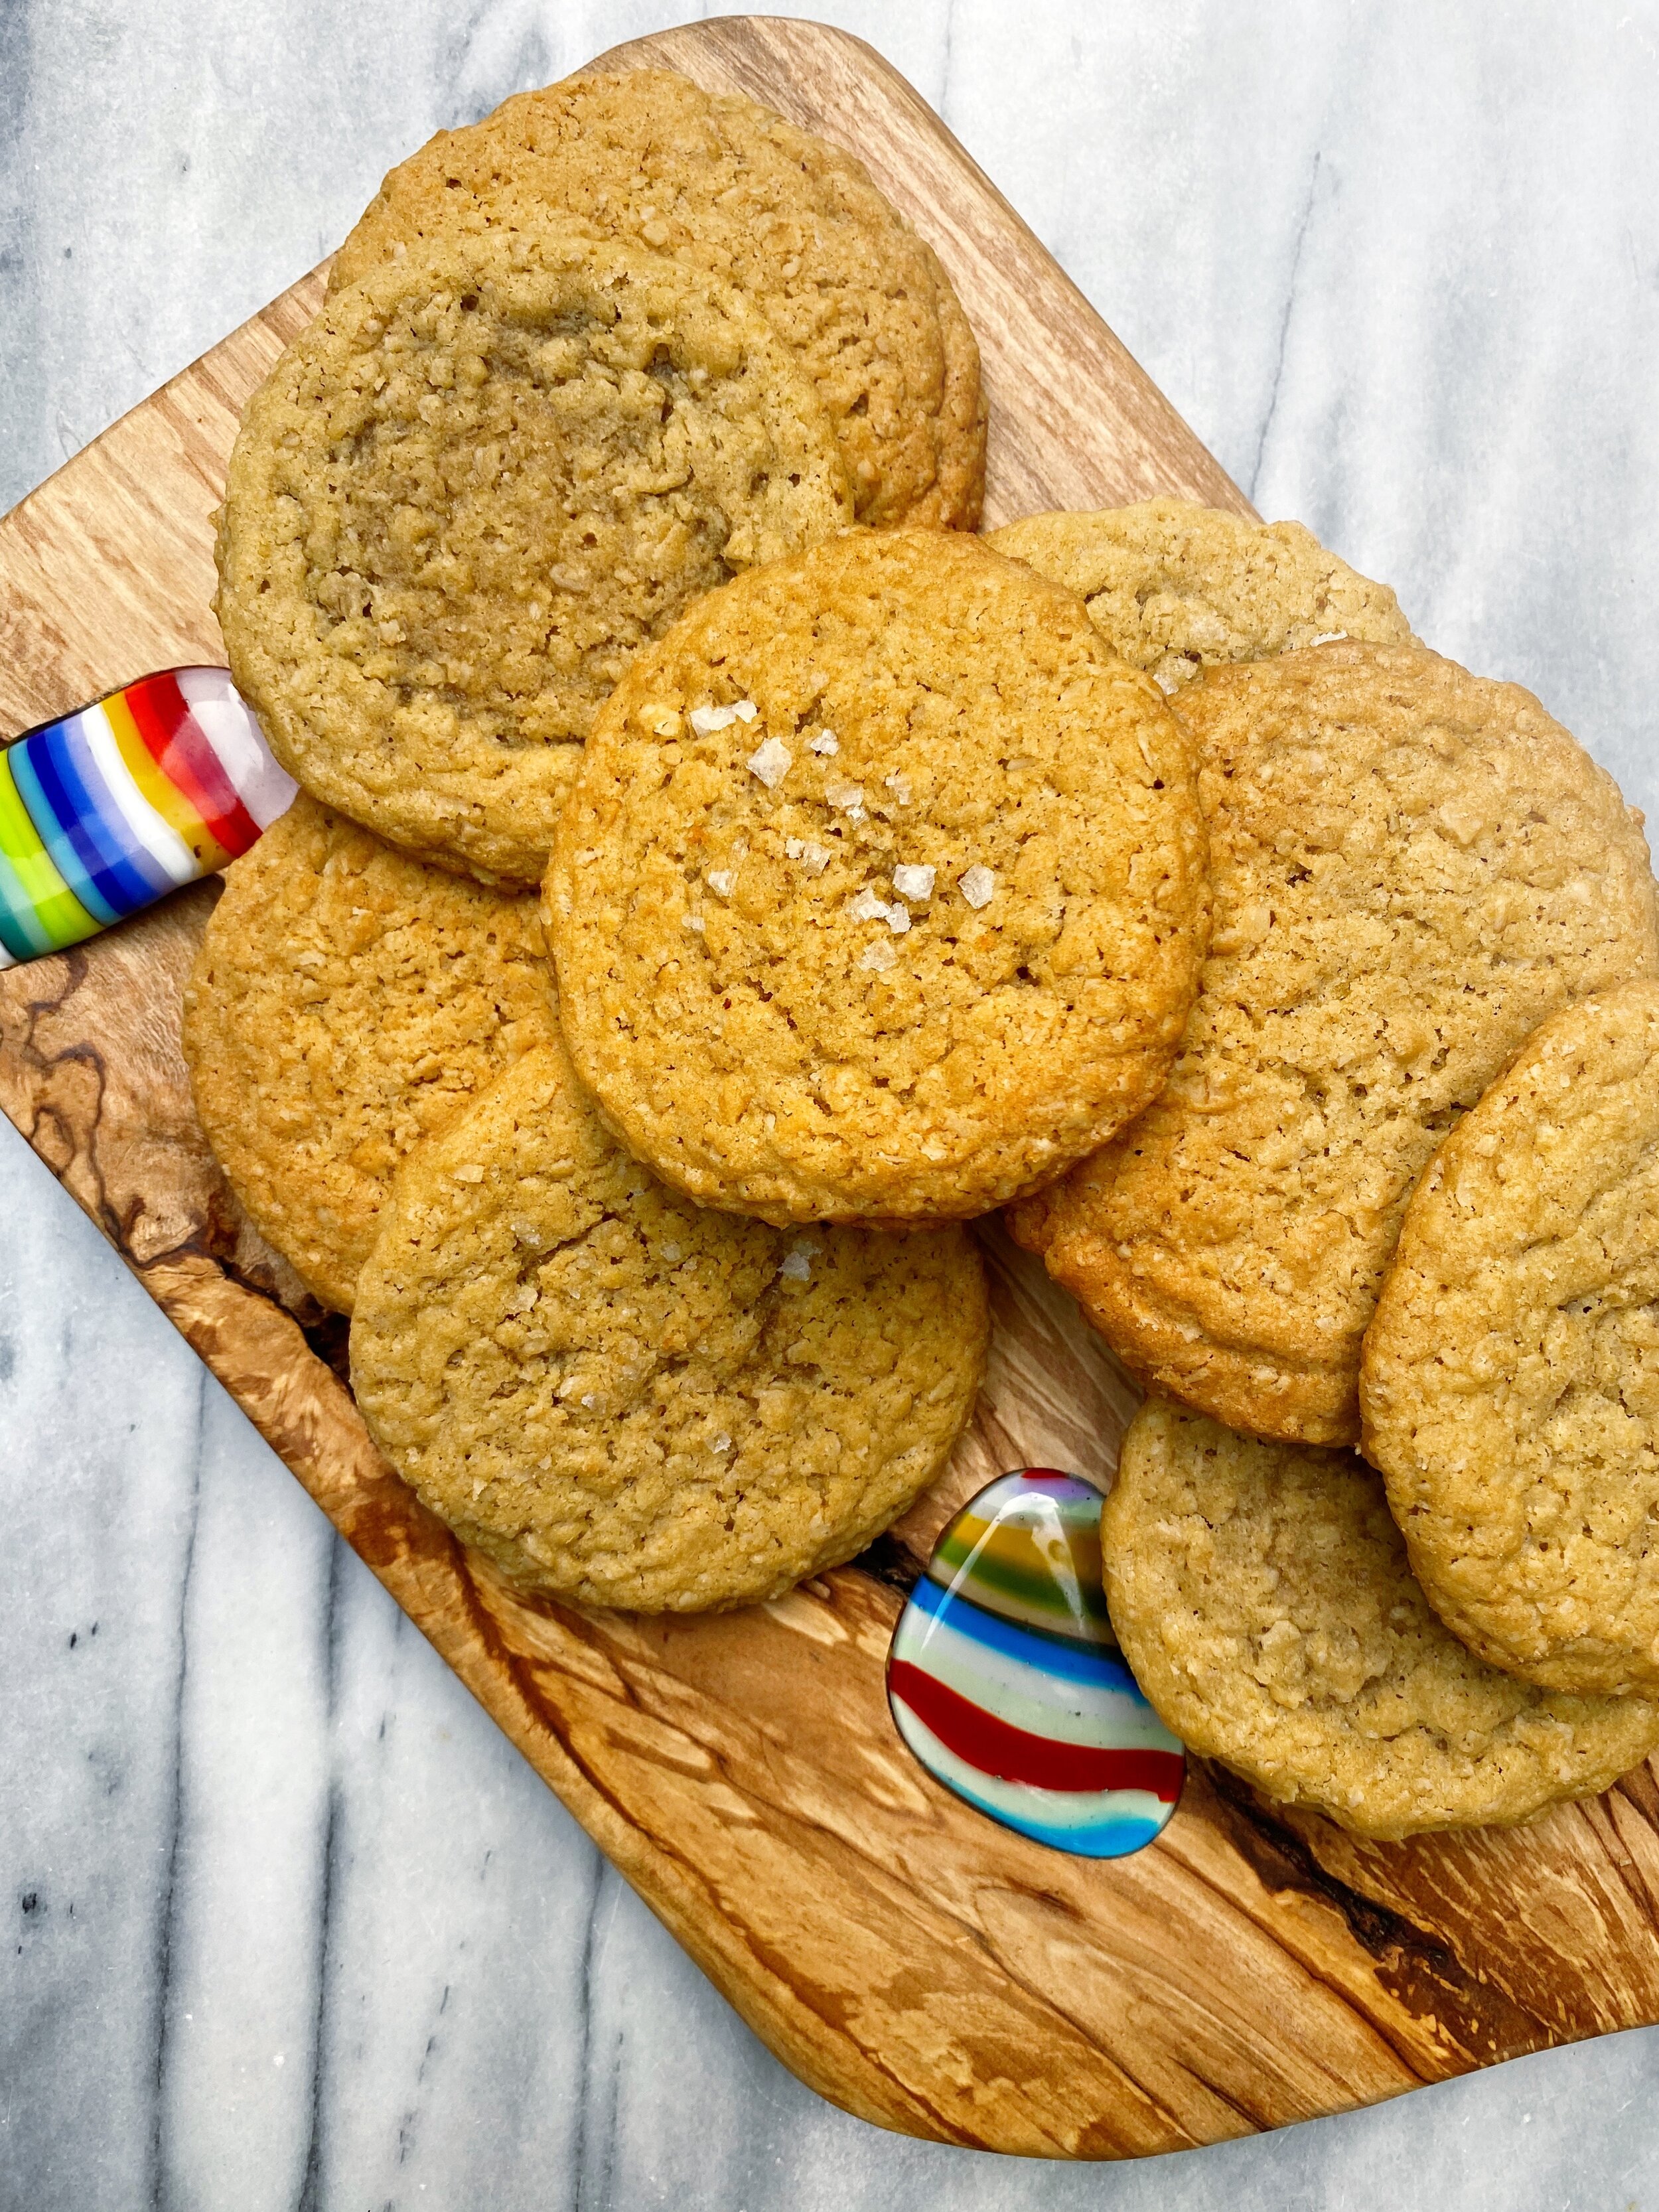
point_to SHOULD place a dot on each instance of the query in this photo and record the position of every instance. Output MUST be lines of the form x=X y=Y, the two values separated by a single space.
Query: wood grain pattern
x=911 y=1961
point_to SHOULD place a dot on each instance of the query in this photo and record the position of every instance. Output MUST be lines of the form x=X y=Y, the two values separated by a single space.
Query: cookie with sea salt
x=1511 y=1378
x=730 y=189
x=1176 y=588
x=346 y=1003
x=628 y=1400
x=1262 y=1595
x=881 y=895
x=469 y=492
x=1412 y=868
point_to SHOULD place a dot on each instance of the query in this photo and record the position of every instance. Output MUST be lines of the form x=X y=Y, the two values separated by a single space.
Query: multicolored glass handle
x=1006 y=1680
x=108 y=809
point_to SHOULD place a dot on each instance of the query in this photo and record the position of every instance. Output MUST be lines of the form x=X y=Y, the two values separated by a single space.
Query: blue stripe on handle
x=71 y=817
x=113 y=832
x=49 y=806
x=1048 y=1655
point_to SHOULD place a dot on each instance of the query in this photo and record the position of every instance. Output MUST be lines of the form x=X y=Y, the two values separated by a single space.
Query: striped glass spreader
x=1006 y=1682
x=109 y=809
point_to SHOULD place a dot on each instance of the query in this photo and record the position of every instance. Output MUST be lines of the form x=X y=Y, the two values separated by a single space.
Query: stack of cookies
x=1399 y=1191
x=719 y=876
x=584 y=370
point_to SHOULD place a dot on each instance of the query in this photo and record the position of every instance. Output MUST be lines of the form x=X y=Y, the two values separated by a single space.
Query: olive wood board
x=911 y=1960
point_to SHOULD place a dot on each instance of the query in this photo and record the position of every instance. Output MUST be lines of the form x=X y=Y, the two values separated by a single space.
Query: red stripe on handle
x=1013 y=1755
x=162 y=716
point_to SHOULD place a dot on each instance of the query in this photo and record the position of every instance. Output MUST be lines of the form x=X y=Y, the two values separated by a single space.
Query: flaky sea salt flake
x=770 y=762
x=797 y=1262
x=868 y=906
x=978 y=886
x=913 y=881
x=707 y=720
x=722 y=880
x=826 y=743
x=879 y=958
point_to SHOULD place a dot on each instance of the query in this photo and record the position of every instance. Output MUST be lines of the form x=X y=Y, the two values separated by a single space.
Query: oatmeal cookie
x=1412 y=868
x=625 y=1399
x=1262 y=1593
x=881 y=895
x=733 y=190
x=1176 y=588
x=1511 y=1376
x=469 y=493
x=346 y=1002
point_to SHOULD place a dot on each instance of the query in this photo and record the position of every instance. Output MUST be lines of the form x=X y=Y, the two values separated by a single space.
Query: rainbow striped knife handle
x=108 y=809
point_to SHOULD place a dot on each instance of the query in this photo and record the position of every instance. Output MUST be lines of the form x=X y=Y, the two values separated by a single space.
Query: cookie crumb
x=1329 y=638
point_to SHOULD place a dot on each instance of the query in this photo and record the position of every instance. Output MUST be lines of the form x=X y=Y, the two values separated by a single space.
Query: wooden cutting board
x=914 y=1962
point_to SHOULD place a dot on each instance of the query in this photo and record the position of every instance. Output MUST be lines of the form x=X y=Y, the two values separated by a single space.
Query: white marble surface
x=286 y=1923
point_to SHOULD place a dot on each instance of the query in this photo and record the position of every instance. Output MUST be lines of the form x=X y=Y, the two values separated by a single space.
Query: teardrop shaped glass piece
x=1006 y=1682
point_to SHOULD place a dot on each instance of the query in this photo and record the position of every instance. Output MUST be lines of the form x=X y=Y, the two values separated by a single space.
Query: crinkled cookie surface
x=1262 y=1596
x=629 y=1401
x=1412 y=867
x=469 y=493
x=1511 y=1372
x=1176 y=588
x=881 y=895
x=347 y=1002
x=733 y=190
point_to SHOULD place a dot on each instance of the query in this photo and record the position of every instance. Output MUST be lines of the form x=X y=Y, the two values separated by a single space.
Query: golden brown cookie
x=345 y=1003
x=1176 y=587
x=1262 y=1596
x=628 y=1400
x=733 y=190
x=1412 y=868
x=1510 y=1379
x=881 y=895
x=469 y=493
